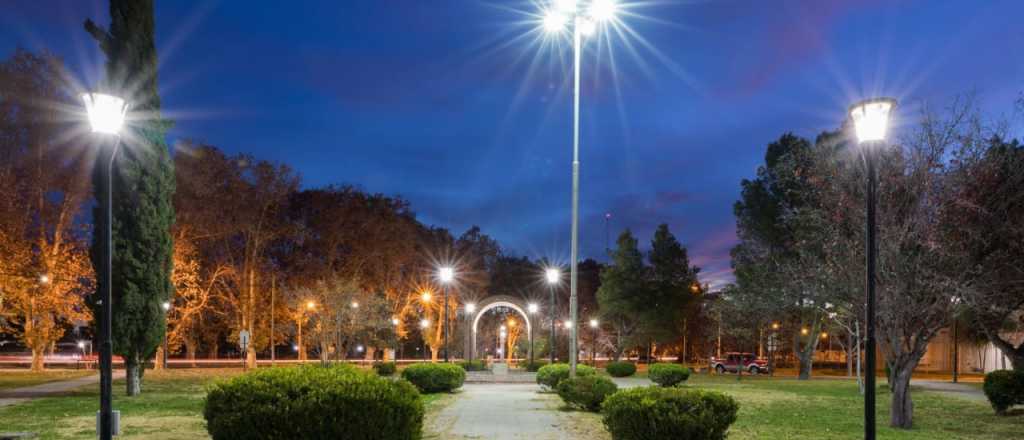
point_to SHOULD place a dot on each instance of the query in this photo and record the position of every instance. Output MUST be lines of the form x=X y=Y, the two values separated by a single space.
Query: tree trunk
x=434 y=349
x=1016 y=354
x=133 y=375
x=250 y=356
x=190 y=352
x=901 y=414
x=214 y=350
x=38 y=359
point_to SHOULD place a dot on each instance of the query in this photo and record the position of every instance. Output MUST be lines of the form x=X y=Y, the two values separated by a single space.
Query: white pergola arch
x=490 y=303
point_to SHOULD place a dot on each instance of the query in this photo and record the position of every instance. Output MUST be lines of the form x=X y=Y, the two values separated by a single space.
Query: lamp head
x=568 y=324
x=593 y=323
x=106 y=112
x=355 y=304
x=425 y=296
x=166 y=305
x=394 y=321
x=532 y=308
x=310 y=305
x=446 y=274
x=425 y=323
x=871 y=118
x=553 y=275
x=603 y=10
x=470 y=308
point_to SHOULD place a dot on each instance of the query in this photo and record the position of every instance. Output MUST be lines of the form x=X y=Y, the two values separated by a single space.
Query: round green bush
x=313 y=402
x=435 y=378
x=385 y=368
x=586 y=392
x=1004 y=388
x=550 y=375
x=668 y=413
x=620 y=368
x=666 y=375
x=532 y=367
x=476 y=365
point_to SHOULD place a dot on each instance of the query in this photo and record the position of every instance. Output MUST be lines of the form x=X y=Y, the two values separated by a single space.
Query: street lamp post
x=394 y=324
x=532 y=310
x=167 y=307
x=553 y=276
x=582 y=24
x=446 y=275
x=593 y=342
x=871 y=121
x=470 y=309
x=106 y=116
x=423 y=328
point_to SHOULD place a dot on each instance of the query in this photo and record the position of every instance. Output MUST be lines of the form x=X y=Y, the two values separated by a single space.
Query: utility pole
x=273 y=287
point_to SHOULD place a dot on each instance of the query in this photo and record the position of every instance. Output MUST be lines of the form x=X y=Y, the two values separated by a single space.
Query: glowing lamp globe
x=532 y=308
x=566 y=6
x=871 y=118
x=593 y=323
x=425 y=323
x=553 y=276
x=106 y=112
x=603 y=10
x=587 y=26
x=568 y=324
x=446 y=274
x=554 y=22
x=470 y=308
x=394 y=321
x=166 y=305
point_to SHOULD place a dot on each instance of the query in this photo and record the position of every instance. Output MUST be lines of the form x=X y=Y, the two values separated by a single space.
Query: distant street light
x=106 y=117
x=355 y=304
x=423 y=325
x=871 y=122
x=425 y=297
x=553 y=276
x=44 y=279
x=310 y=305
x=446 y=274
x=566 y=12
x=593 y=342
x=470 y=308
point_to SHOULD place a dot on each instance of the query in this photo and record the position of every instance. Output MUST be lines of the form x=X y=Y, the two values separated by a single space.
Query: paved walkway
x=504 y=411
x=20 y=395
x=952 y=389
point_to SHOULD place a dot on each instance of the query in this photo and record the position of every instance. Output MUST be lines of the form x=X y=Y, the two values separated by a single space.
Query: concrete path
x=951 y=389
x=504 y=411
x=24 y=394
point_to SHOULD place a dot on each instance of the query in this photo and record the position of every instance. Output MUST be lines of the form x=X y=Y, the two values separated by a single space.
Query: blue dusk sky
x=464 y=107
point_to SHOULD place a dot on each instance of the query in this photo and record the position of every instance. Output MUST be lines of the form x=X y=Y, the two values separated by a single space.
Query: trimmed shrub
x=476 y=365
x=532 y=367
x=1004 y=388
x=435 y=378
x=586 y=392
x=551 y=375
x=313 y=402
x=670 y=413
x=385 y=368
x=620 y=368
x=667 y=375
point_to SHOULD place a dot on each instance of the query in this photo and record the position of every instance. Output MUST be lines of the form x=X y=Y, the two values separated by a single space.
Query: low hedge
x=532 y=367
x=476 y=365
x=620 y=368
x=313 y=402
x=1004 y=388
x=668 y=413
x=551 y=375
x=586 y=392
x=385 y=368
x=666 y=375
x=435 y=378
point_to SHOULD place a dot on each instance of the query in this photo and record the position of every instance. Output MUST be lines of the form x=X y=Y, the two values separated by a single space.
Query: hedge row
x=620 y=368
x=313 y=402
x=668 y=375
x=550 y=375
x=435 y=378
x=668 y=413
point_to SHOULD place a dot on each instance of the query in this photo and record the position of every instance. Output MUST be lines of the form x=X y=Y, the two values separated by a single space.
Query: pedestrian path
x=951 y=389
x=503 y=411
x=24 y=394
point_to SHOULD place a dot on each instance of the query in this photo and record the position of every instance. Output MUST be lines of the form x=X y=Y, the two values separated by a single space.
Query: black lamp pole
x=870 y=251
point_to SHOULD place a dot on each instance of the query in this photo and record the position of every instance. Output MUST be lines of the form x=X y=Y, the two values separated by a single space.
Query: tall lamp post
x=167 y=308
x=532 y=310
x=593 y=342
x=446 y=275
x=553 y=276
x=394 y=325
x=470 y=310
x=871 y=121
x=106 y=117
x=424 y=324
x=567 y=12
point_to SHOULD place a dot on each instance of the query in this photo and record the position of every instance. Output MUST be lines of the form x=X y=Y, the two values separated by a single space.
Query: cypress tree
x=143 y=188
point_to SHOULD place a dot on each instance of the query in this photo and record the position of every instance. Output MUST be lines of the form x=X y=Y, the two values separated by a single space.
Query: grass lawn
x=833 y=409
x=23 y=378
x=170 y=407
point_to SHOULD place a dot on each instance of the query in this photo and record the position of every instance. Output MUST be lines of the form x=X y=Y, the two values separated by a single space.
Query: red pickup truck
x=732 y=362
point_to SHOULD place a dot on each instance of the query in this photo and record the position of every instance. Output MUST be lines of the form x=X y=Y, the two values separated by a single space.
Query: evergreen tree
x=672 y=286
x=623 y=292
x=143 y=189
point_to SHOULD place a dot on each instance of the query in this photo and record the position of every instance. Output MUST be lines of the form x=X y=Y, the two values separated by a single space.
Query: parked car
x=733 y=362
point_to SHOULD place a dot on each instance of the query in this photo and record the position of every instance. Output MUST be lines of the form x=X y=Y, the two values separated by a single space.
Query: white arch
x=492 y=305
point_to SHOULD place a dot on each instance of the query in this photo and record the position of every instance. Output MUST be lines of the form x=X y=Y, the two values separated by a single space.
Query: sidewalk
x=20 y=395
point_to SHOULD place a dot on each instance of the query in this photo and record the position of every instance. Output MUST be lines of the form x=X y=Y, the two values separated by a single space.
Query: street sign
x=243 y=339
